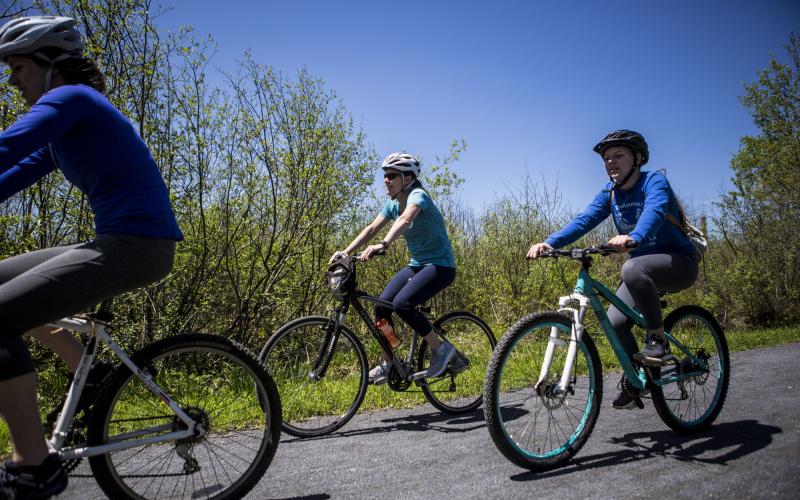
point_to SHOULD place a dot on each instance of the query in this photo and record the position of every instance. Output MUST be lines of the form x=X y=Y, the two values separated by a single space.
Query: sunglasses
x=391 y=177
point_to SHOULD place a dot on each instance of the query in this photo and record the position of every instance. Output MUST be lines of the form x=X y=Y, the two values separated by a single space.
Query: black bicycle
x=321 y=367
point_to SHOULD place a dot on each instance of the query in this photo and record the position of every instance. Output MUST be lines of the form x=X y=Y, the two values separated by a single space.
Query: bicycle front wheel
x=460 y=389
x=531 y=421
x=219 y=385
x=316 y=403
x=691 y=405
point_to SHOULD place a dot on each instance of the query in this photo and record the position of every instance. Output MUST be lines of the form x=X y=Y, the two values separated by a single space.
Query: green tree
x=760 y=217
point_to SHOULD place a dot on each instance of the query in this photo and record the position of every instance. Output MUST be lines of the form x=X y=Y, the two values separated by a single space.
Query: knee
x=632 y=274
x=401 y=306
x=15 y=359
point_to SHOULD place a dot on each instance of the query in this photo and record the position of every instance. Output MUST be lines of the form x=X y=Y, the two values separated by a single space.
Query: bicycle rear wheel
x=316 y=405
x=460 y=389
x=691 y=405
x=220 y=385
x=540 y=427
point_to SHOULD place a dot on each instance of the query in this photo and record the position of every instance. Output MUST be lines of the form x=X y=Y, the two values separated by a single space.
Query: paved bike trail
x=753 y=451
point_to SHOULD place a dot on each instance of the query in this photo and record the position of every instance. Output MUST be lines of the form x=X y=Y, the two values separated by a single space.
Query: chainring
x=396 y=382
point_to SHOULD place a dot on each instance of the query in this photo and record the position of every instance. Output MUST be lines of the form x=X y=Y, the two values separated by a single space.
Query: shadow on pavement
x=436 y=421
x=720 y=445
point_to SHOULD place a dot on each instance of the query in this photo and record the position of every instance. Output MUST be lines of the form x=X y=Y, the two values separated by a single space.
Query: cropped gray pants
x=48 y=284
x=642 y=278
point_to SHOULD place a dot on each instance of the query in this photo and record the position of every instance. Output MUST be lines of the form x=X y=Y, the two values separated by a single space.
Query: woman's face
x=27 y=77
x=619 y=162
x=393 y=181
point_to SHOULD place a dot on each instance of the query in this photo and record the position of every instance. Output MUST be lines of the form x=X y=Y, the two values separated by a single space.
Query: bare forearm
x=399 y=227
x=364 y=236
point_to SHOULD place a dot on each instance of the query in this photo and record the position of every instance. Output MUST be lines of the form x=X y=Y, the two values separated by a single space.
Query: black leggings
x=410 y=287
x=642 y=278
x=46 y=285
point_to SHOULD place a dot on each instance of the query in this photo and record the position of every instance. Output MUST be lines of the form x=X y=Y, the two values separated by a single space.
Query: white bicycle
x=189 y=416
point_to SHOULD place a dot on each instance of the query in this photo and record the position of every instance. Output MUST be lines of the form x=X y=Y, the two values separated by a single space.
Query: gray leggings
x=48 y=284
x=642 y=278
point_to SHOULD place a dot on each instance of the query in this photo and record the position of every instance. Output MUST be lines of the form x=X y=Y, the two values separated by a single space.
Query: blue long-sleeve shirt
x=76 y=129
x=640 y=212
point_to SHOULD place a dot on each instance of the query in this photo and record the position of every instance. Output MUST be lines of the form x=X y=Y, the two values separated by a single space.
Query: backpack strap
x=675 y=222
x=669 y=216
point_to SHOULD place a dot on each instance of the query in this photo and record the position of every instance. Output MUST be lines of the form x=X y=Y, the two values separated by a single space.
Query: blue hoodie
x=640 y=212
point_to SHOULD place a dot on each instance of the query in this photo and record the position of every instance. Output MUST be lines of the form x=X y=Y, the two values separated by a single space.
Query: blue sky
x=530 y=85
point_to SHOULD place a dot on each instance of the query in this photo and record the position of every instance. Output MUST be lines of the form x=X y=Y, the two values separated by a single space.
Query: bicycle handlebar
x=580 y=253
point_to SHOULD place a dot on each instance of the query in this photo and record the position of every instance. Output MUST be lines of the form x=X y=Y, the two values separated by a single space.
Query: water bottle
x=388 y=332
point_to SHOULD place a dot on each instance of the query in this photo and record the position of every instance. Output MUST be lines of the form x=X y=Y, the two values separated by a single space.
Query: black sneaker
x=33 y=481
x=624 y=402
x=654 y=352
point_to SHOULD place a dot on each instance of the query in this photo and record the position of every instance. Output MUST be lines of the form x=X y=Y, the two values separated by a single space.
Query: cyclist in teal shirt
x=663 y=258
x=71 y=126
x=432 y=267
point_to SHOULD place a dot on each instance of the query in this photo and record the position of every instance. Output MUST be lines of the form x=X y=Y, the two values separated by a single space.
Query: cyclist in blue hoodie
x=71 y=126
x=663 y=259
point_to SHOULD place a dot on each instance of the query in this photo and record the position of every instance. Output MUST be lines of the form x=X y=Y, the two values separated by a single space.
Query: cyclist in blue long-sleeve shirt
x=71 y=126
x=663 y=258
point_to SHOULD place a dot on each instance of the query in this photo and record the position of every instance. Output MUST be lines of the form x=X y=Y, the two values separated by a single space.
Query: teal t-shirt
x=427 y=238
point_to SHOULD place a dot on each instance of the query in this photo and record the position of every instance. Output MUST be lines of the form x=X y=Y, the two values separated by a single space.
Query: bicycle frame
x=587 y=294
x=332 y=337
x=97 y=331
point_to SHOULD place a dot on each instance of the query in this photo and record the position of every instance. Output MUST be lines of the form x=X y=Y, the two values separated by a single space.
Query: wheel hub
x=551 y=396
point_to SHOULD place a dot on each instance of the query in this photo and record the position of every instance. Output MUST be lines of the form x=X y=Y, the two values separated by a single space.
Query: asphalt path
x=752 y=451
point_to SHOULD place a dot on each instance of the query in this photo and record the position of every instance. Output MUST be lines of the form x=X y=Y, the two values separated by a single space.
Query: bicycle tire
x=220 y=384
x=537 y=429
x=692 y=405
x=460 y=392
x=316 y=407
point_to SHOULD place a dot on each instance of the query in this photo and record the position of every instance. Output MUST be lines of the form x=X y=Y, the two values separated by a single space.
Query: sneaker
x=624 y=400
x=380 y=374
x=33 y=481
x=440 y=358
x=654 y=352
x=627 y=402
x=458 y=364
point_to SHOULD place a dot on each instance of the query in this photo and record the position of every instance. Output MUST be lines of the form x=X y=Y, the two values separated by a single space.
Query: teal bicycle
x=544 y=383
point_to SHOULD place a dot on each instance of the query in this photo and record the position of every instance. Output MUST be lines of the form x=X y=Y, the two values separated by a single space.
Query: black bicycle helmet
x=628 y=138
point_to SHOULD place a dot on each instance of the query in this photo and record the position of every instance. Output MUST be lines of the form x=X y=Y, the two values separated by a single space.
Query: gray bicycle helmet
x=628 y=138
x=29 y=35
x=402 y=162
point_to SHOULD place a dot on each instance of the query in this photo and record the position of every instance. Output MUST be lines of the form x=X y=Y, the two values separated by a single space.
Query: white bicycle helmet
x=402 y=162
x=29 y=35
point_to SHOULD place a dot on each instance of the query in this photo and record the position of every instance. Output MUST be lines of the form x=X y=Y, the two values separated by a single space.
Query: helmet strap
x=618 y=185
x=637 y=163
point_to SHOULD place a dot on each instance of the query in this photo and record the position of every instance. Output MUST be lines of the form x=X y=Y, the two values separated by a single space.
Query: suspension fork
x=328 y=346
x=553 y=341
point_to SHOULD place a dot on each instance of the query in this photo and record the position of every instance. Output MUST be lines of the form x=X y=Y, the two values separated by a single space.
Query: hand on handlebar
x=622 y=243
x=370 y=251
x=537 y=250
x=336 y=255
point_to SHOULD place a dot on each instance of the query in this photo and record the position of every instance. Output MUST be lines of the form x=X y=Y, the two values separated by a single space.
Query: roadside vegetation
x=268 y=176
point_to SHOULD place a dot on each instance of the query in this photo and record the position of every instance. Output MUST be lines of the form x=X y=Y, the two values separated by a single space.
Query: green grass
x=382 y=397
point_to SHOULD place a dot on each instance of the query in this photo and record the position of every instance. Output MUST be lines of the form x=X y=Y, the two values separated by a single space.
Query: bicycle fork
x=553 y=341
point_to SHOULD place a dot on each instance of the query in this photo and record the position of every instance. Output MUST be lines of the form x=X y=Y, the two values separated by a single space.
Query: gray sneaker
x=654 y=353
x=380 y=373
x=440 y=359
